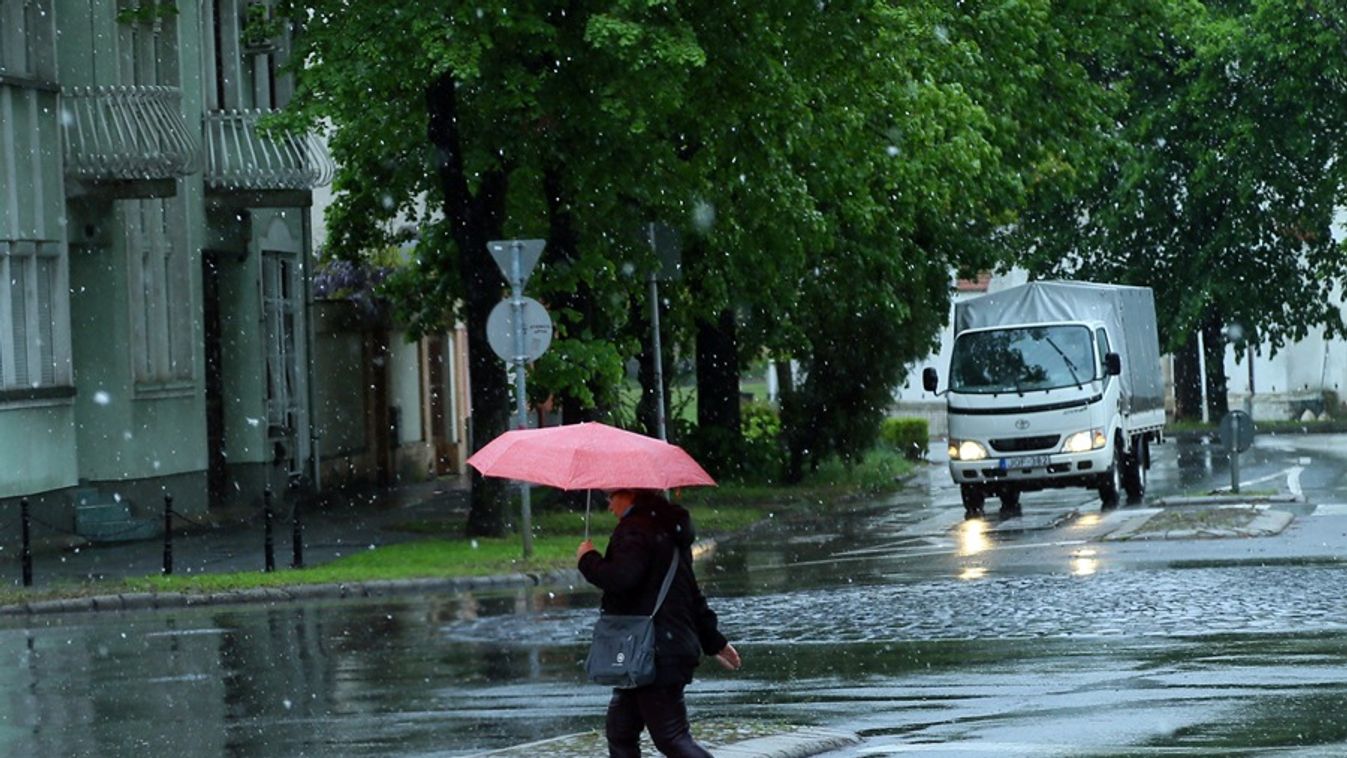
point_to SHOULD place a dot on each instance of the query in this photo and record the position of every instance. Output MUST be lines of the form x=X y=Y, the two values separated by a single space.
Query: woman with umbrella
x=649 y=531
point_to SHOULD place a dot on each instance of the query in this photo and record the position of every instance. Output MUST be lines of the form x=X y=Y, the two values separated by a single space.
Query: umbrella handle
x=587 y=494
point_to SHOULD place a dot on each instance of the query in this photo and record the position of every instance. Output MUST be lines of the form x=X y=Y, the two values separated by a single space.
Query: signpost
x=522 y=331
x=665 y=243
x=1237 y=436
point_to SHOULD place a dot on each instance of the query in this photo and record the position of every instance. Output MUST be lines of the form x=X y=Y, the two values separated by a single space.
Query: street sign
x=667 y=245
x=500 y=329
x=529 y=253
x=1237 y=431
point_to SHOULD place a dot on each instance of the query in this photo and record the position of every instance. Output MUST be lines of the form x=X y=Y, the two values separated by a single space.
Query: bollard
x=26 y=556
x=168 y=534
x=297 y=535
x=268 y=545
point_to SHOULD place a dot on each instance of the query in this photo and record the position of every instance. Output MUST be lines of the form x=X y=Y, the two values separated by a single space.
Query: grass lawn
x=444 y=552
x=1200 y=518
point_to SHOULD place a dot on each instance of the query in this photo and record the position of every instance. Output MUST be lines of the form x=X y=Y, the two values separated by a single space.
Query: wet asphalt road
x=921 y=632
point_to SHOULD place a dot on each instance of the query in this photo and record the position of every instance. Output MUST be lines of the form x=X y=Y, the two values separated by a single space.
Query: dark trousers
x=660 y=709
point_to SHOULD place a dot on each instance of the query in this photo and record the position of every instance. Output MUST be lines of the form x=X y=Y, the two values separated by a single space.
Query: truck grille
x=1019 y=444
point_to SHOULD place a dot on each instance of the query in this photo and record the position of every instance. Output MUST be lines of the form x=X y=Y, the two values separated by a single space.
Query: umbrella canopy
x=588 y=456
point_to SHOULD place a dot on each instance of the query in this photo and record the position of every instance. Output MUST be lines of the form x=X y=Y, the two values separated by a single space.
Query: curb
x=1227 y=499
x=138 y=601
x=143 y=601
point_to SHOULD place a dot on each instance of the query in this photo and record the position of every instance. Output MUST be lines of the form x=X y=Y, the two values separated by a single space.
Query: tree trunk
x=788 y=401
x=1187 y=382
x=1213 y=343
x=719 y=421
x=800 y=425
x=718 y=374
x=563 y=243
x=474 y=221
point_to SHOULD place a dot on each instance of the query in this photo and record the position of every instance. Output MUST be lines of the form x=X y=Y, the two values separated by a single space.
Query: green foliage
x=764 y=452
x=588 y=370
x=1219 y=186
x=261 y=27
x=827 y=164
x=877 y=470
x=148 y=12
x=909 y=436
x=757 y=455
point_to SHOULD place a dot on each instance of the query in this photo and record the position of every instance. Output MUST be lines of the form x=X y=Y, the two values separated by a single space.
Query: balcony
x=243 y=158
x=126 y=135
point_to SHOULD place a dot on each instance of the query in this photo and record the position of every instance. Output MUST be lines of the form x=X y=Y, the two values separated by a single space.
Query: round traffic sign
x=500 y=329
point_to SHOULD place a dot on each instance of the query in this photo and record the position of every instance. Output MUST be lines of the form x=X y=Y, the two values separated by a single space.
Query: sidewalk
x=220 y=542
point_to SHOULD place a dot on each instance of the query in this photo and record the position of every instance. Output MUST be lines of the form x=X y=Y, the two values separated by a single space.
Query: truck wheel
x=1110 y=487
x=1134 y=470
x=973 y=499
x=1010 y=503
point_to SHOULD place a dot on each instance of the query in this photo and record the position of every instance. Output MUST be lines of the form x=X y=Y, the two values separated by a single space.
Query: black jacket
x=630 y=574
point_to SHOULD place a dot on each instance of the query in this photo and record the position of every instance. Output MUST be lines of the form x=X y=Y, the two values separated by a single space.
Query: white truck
x=1053 y=384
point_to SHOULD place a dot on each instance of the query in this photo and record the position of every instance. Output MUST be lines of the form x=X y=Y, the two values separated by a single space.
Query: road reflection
x=972 y=536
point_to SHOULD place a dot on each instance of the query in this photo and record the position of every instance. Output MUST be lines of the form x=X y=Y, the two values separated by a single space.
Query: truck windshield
x=1022 y=359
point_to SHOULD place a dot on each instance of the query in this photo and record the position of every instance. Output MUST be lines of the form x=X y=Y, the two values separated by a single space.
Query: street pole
x=659 y=353
x=521 y=411
x=1248 y=355
x=26 y=554
x=268 y=545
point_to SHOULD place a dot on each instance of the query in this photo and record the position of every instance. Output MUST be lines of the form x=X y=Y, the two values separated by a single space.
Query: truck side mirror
x=1112 y=364
x=929 y=379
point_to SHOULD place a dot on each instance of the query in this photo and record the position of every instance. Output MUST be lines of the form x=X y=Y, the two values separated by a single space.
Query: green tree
x=1220 y=189
x=827 y=162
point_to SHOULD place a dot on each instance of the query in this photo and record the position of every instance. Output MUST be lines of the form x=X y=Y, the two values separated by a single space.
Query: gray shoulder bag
x=622 y=654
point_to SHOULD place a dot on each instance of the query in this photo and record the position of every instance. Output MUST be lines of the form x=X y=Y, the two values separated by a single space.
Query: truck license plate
x=1027 y=461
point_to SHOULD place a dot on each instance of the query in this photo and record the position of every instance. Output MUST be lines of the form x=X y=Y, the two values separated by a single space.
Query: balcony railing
x=126 y=133
x=242 y=157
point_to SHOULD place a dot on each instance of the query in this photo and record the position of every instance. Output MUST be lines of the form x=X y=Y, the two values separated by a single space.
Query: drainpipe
x=315 y=460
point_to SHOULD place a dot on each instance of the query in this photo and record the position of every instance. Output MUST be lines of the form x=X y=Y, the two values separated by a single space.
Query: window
x=18 y=18
x=148 y=44
x=32 y=280
x=1101 y=337
x=161 y=295
x=279 y=306
x=1021 y=359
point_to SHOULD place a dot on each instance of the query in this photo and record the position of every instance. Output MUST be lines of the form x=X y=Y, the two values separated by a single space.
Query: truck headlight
x=966 y=450
x=1083 y=442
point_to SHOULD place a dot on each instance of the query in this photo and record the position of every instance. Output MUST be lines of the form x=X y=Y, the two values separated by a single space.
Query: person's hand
x=583 y=548
x=729 y=657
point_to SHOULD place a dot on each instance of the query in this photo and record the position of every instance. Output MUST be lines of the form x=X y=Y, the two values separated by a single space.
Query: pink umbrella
x=589 y=456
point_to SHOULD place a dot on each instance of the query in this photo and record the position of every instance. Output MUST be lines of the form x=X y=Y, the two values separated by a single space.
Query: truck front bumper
x=1034 y=472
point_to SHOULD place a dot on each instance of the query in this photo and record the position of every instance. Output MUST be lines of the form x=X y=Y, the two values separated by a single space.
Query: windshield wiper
x=1069 y=365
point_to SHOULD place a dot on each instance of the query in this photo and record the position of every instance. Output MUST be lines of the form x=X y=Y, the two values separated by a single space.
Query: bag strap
x=668 y=580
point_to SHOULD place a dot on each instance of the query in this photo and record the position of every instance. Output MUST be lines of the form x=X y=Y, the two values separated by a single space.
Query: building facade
x=155 y=326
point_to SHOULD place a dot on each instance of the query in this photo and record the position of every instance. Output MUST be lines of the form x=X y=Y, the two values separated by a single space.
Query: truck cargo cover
x=1127 y=312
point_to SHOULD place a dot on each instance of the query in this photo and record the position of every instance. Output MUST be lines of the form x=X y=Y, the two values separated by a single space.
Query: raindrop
x=102 y=398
